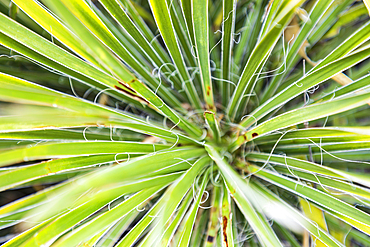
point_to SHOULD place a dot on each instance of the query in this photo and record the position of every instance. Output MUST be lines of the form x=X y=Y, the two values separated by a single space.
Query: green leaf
x=106 y=219
x=112 y=236
x=58 y=30
x=57 y=54
x=306 y=82
x=162 y=17
x=65 y=134
x=237 y=187
x=308 y=224
x=15 y=177
x=259 y=54
x=88 y=204
x=329 y=18
x=228 y=26
x=180 y=215
x=171 y=199
x=354 y=87
x=213 y=125
x=134 y=168
x=345 y=211
x=118 y=12
x=103 y=142
x=21 y=238
x=302 y=115
x=316 y=14
x=59 y=150
x=325 y=133
x=190 y=218
x=228 y=218
x=200 y=23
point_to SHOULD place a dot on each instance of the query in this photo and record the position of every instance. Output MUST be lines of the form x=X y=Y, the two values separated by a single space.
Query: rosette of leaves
x=184 y=123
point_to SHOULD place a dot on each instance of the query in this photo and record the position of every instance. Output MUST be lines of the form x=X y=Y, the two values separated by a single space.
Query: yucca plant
x=184 y=123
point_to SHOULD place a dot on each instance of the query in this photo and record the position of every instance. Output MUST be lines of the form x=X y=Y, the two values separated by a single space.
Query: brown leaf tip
x=224 y=228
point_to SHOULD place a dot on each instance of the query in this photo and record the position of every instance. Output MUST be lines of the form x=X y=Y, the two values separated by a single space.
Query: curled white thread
x=115 y=157
x=248 y=115
x=268 y=159
x=97 y=96
x=84 y=133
